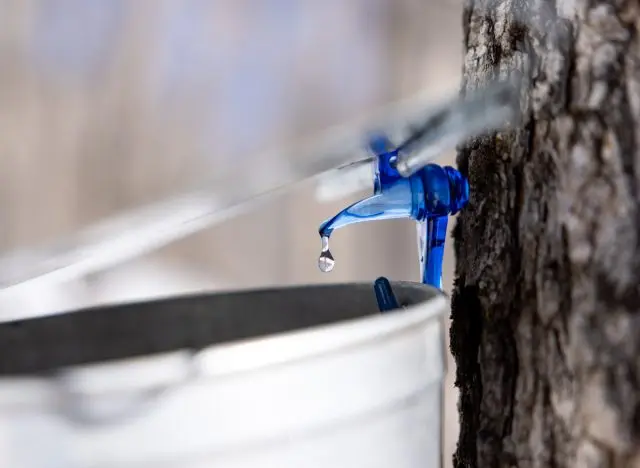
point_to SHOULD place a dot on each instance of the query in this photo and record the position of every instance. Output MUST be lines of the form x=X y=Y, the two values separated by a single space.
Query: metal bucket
x=310 y=376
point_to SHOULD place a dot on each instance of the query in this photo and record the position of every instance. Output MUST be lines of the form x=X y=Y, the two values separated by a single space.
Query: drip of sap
x=325 y=261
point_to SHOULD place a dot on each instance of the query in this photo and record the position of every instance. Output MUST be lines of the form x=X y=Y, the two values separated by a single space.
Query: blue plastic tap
x=428 y=196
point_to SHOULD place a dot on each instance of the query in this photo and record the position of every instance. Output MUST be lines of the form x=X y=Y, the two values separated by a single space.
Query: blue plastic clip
x=384 y=295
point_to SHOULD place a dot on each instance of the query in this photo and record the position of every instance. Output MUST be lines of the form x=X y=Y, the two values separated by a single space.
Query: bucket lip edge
x=228 y=360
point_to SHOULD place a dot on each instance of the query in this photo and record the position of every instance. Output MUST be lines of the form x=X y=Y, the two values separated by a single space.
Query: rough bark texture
x=546 y=330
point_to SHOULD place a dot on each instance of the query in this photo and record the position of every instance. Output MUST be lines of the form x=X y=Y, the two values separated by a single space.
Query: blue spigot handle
x=429 y=196
x=437 y=192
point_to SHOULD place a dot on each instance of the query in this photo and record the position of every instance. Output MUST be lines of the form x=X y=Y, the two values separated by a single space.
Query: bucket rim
x=254 y=354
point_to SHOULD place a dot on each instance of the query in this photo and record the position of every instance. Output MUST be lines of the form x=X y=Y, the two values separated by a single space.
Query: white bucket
x=310 y=376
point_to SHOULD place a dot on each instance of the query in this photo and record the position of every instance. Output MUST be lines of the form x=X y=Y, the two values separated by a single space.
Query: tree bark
x=545 y=323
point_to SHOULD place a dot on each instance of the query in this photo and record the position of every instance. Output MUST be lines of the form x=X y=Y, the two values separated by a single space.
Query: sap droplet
x=326 y=261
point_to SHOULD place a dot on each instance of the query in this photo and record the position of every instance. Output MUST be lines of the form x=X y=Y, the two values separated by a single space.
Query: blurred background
x=106 y=105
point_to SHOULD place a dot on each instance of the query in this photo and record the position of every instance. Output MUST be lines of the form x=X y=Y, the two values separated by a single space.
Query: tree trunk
x=546 y=330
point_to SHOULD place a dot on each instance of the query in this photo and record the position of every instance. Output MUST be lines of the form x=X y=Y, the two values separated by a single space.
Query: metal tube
x=479 y=113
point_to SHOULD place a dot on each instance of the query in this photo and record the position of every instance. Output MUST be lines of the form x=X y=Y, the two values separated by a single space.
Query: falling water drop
x=326 y=261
